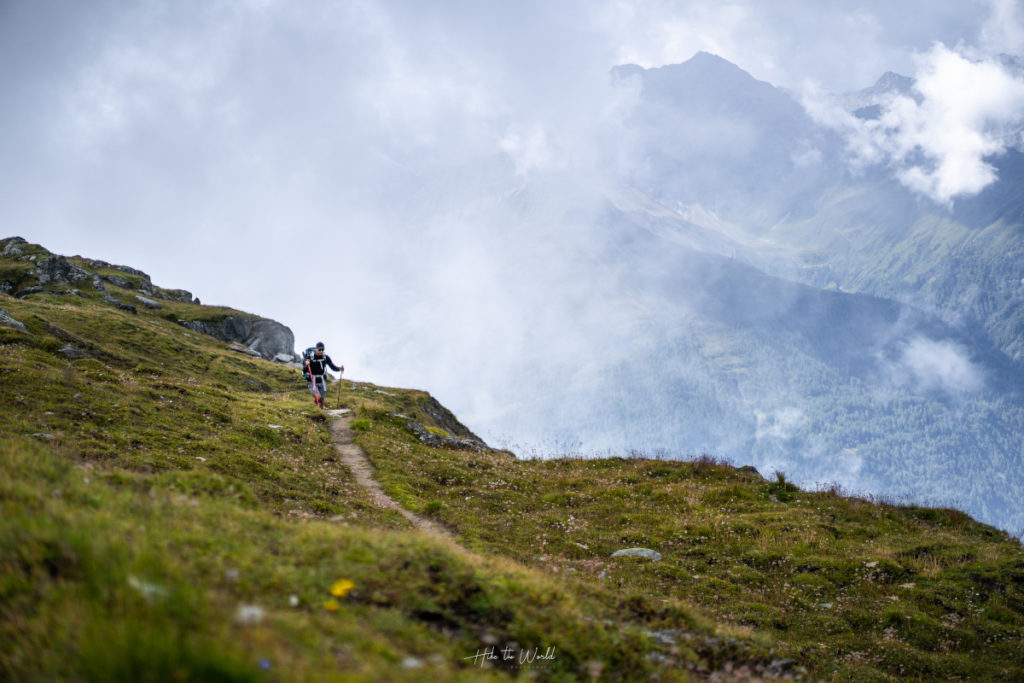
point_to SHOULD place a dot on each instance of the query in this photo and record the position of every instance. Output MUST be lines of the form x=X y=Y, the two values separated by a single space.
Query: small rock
x=412 y=663
x=638 y=552
x=149 y=303
x=871 y=564
x=293 y=600
x=8 y=321
x=781 y=667
x=232 y=574
x=146 y=589
x=73 y=352
x=244 y=349
x=41 y=435
x=28 y=290
x=118 y=281
x=249 y=614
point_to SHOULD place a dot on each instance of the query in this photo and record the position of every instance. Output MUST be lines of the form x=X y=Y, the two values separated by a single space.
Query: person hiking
x=316 y=372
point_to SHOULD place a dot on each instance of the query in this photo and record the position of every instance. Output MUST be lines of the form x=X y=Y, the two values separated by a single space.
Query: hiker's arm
x=333 y=366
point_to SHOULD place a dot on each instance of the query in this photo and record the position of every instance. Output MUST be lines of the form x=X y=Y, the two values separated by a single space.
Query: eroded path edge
x=355 y=458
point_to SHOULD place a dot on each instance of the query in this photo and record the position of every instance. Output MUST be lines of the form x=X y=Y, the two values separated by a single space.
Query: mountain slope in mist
x=754 y=297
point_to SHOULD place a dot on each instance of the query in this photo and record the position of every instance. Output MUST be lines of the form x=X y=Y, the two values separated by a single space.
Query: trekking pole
x=340 y=375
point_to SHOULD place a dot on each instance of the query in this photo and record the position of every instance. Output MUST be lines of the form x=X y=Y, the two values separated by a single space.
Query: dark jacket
x=316 y=364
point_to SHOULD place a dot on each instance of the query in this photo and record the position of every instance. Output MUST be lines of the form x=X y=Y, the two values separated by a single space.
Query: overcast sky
x=328 y=163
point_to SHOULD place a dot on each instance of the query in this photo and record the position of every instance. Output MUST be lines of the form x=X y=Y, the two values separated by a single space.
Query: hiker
x=315 y=365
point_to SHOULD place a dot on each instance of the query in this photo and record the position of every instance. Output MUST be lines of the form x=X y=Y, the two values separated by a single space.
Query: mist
x=437 y=192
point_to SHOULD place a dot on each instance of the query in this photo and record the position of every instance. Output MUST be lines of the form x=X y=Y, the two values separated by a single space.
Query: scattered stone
x=871 y=564
x=412 y=663
x=73 y=352
x=249 y=614
x=284 y=358
x=244 y=349
x=581 y=545
x=6 y=287
x=781 y=667
x=232 y=574
x=274 y=426
x=8 y=321
x=666 y=636
x=293 y=600
x=638 y=552
x=118 y=281
x=179 y=295
x=149 y=303
x=41 y=435
x=35 y=289
x=148 y=590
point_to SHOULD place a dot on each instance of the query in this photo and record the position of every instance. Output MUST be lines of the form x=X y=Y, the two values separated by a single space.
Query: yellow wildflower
x=341 y=588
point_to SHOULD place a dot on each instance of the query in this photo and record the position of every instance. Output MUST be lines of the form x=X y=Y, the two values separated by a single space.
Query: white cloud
x=941 y=141
x=940 y=366
x=1003 y=31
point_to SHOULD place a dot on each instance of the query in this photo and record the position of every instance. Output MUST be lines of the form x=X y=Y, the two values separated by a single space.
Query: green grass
x=852 y=589
x=173 y=510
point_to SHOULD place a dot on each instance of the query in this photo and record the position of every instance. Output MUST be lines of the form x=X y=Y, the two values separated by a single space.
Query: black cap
x=319 y=345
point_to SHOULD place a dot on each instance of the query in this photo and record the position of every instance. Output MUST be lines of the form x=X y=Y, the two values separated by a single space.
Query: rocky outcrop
x=267 y=338
x=12 y=246
x=60 y=275
x=441 y=441
x=59 y=270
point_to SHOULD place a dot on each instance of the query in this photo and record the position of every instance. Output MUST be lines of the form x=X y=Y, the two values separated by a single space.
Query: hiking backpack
x=308 y=354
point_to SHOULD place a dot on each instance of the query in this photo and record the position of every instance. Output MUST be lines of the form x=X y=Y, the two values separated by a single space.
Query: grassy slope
x=155 y=493
x=147 y=504
x=852 y=589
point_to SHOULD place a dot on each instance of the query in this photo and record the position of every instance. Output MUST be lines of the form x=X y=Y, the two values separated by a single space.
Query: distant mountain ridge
x=894 y=366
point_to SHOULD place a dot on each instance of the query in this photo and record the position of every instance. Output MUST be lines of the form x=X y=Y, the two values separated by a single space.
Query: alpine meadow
x=600 y=340
x=173 y=509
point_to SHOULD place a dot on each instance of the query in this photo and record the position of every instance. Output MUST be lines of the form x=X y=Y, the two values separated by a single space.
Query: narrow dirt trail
x=355 y=458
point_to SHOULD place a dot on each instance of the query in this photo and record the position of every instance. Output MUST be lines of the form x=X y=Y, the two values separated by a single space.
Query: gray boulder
x=73 y=352
x=268 y=338
x=638 y=552
x=148 y=303
x=8 y=321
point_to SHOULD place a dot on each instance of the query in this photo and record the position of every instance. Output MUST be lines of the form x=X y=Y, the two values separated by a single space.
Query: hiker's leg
x=321 y=382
